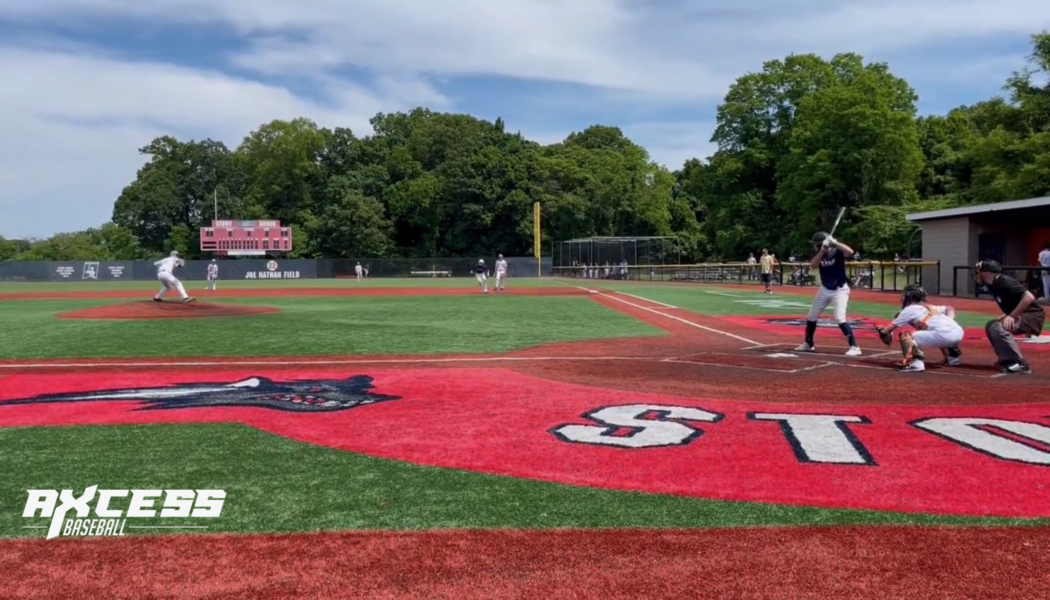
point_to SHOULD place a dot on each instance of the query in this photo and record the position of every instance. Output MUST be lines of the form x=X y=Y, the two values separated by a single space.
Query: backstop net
x=611 y=255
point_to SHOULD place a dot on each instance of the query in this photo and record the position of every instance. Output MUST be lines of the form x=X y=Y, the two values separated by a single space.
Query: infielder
x=834 y=289
x=481 y=274
x=213 y=274
x=358 y=270
x=165 y=266
x=934 y=326
x=501 y=272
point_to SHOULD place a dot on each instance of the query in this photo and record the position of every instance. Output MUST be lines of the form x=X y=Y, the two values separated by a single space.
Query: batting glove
x=829 y=241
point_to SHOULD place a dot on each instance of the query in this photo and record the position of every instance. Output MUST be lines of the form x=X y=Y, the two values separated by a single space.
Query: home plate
x=782 y=355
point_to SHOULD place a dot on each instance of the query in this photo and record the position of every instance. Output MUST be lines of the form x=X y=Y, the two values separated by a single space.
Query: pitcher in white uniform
x=166 y=277
x=935 y=327
x=213 y=274
x=501 y=272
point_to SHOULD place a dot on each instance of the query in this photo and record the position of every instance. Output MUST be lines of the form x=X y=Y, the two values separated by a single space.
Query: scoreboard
x=246 y=238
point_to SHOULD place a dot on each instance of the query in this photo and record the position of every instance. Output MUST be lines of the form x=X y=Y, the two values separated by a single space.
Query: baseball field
x=566 y=438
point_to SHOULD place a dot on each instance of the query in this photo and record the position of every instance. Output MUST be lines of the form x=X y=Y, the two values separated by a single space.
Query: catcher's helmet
x=912 y=294
x=819 y=237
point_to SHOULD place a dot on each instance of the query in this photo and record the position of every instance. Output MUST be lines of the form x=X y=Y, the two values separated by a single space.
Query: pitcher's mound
x=167 y=310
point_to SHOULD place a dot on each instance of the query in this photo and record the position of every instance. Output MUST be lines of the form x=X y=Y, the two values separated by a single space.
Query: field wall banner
x=262 y=269
x=194 y=270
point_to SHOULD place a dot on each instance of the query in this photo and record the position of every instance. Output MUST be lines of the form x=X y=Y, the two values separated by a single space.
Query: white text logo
x=111 y=521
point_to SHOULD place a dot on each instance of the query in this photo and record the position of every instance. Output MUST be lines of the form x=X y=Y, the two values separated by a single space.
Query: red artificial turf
x=798 y=563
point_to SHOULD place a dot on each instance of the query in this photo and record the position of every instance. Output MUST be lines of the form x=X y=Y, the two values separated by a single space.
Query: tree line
x=796 y=141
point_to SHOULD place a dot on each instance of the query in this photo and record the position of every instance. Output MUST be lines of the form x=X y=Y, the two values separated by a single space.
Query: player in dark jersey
x=834 y=289
x=481 y=273
x=1021 y=315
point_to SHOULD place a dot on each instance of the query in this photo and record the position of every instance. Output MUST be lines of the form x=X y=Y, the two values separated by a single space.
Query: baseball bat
x=842 y=211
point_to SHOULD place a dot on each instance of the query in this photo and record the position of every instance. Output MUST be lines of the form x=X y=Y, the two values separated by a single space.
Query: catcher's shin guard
x=954 y=352
x=909 y=349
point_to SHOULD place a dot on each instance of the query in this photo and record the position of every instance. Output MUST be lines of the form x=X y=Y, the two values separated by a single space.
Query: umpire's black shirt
x=1008 y=293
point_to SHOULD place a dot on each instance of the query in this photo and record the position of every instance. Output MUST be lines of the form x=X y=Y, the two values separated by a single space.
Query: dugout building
x=1012 y=233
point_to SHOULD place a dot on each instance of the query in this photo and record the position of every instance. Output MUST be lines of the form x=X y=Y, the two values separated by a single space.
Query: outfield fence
x=232 y=269
x=964 y=280
x=873 y=275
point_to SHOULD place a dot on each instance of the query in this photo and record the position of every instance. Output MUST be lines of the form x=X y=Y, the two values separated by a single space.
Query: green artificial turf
x=377 y=325
x=278 y=485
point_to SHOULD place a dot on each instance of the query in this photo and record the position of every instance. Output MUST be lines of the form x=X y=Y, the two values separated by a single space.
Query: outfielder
x=358 y=271
x=834 y=289
x=934 y=326
x=501 y=272
x=165 y=266
x=481 y=274
x=213 y=274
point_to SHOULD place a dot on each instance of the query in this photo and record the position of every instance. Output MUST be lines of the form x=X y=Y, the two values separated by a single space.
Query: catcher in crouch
x=935 y=327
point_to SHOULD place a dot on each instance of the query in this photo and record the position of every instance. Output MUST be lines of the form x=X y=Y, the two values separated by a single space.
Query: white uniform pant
x=358 y=275
x=1046 y=286
x=212 y=283
x=938 y=339
x=839 y=299
x=500 y=277
x=169 y=282
x=482 y=280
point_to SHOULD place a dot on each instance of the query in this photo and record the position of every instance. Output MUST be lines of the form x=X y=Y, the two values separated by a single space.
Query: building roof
x=979 y=209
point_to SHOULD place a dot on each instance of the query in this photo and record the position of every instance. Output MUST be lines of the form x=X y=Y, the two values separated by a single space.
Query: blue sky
x=85 y=83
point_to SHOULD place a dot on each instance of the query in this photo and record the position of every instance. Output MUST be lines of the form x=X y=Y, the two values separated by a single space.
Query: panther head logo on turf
x=326 y=395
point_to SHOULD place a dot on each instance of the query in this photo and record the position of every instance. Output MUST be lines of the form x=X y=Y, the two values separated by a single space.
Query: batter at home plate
x=834 y=290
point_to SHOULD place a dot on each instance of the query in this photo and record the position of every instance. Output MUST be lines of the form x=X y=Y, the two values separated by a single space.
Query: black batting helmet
x=912 y=294
x=819 y=237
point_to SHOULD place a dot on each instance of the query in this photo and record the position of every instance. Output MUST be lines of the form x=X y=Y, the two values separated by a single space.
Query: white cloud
x=73 y=123
x=73 y=118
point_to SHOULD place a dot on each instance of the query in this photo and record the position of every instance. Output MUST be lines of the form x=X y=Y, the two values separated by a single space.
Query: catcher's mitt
x=885 y=336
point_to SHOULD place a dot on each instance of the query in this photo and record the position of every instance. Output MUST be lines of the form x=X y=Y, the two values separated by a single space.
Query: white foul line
x=656 y=312
x=320 y=363
x=665 y=305
x=724 y=294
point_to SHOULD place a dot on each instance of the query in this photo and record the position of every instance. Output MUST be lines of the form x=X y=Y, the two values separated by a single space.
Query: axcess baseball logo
x=112 y=521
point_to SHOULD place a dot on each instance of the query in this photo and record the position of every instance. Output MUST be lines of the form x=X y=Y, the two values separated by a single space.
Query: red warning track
x=812 y=563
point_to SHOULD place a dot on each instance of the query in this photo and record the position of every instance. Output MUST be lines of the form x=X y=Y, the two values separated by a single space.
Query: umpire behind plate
x=1021 y=315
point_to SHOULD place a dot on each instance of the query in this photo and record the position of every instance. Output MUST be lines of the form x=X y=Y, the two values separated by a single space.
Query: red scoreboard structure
x=246 y=238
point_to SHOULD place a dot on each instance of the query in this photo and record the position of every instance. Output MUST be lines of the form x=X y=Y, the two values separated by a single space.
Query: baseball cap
x=989 y=266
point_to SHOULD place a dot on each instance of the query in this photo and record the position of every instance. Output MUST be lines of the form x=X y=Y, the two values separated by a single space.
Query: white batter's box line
x=760 y=346
x=657 y=312
x=945 y=371
x=875 y=353
x=322 y=363
x=883 y=354
x=682 y=360
x=687 y=356
x=725 y=366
